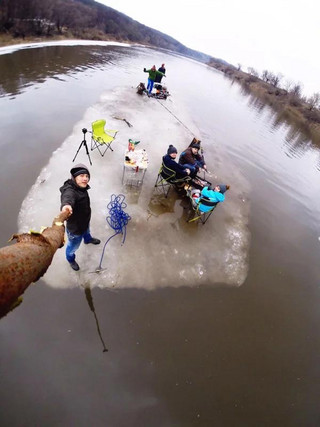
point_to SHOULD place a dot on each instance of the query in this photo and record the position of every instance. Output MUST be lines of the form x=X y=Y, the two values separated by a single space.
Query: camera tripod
x=83 y=143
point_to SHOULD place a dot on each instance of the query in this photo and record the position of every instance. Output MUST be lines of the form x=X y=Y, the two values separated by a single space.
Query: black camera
x=84 y=130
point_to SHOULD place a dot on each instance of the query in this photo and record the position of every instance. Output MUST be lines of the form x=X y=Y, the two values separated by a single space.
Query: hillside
x=84 y=19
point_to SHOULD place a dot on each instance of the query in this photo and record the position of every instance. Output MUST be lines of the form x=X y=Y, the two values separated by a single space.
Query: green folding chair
x=197 y=213
x=102 y=138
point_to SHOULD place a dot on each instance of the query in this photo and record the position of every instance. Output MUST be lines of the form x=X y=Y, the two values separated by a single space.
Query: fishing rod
x=175 y=117
x=186 y=127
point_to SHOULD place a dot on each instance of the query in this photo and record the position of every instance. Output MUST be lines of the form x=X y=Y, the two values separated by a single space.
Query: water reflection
x=159 y=204
x=29 y=66
x=88 y=294
x=132 y=193
x=298 y=132
x=254 y=102
x=175 y=202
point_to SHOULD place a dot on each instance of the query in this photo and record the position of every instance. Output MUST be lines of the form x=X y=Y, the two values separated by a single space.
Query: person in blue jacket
x=169 y=161
x=212 y=195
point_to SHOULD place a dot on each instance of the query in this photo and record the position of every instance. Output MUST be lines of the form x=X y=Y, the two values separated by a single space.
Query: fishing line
x=202 y=151
x=175 y=117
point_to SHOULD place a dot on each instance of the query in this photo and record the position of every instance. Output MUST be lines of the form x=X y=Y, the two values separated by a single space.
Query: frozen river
x=205 y=325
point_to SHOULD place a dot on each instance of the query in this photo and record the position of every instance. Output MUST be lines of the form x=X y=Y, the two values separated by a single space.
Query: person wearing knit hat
x=192 y=159
x=172 y=150
x=212 y=194
x=170 y=162
x=76 y=202
x=79 y=170
x=195 y=145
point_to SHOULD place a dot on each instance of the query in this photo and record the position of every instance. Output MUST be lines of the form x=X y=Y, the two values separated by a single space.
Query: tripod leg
x=85 y=144
x=77 y=151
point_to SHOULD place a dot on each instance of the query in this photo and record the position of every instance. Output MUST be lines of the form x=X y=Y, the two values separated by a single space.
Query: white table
x=134 y=167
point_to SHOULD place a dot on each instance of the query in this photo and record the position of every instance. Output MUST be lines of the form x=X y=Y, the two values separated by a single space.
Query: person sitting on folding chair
x=192 y=159
x=169 y=161
x=212 y=195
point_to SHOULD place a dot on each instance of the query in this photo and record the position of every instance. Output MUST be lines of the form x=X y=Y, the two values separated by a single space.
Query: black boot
x=94 y=241
x=74 y=265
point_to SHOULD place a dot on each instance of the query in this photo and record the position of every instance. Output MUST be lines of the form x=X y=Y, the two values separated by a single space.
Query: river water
x=218 y=324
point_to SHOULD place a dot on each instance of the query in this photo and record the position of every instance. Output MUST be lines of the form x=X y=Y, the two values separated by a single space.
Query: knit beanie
x=195 y=145
x=223 y=188
x=79 y=169
x=172 y=149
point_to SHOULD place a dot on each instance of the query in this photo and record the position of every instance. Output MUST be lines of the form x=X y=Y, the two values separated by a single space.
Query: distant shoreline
x=6 y=41
x=280 y=99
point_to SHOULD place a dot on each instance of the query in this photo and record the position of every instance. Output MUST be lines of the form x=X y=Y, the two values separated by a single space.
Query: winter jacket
x=153 y=74
x=172 y=164
x=158 y=76
x=212 y=196
x=78 y=199
x=187 y=157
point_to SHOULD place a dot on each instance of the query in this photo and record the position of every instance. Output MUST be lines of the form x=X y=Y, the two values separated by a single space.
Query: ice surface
x=161 y=248
x=13 y=48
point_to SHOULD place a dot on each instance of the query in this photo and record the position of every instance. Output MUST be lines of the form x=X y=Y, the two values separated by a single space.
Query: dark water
x=245 y=356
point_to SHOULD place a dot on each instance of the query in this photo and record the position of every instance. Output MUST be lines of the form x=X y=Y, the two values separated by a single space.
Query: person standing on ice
x=76 y=202
x=162 y=70
x=152 y=76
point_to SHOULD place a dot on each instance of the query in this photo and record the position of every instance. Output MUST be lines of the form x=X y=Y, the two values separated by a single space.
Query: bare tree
x=270 y=77
x=275 y=79
x=296 y=90
x=314 y=101
x=265 y=75
x=288 y=84
x=253 y=71
x=239 y=66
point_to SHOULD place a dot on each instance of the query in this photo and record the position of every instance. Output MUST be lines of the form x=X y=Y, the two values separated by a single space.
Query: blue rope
x=117 y=219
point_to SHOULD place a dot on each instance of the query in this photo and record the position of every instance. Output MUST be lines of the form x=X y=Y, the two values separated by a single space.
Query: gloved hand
x=144 y=70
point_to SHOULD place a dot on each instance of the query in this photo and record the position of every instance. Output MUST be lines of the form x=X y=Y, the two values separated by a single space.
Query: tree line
x=278 y=80
x=83 y=19
x=275 y=88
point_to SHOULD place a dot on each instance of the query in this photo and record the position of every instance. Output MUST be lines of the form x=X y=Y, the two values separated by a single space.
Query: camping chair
x=101 y=138
x=167 y=178
x=197 y=213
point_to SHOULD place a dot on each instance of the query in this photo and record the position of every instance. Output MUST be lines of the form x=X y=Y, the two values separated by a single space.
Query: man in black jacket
x=159 y=76
x=76 y=202
x=170 y=162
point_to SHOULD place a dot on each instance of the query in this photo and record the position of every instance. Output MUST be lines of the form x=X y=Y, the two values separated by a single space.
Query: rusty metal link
x=25 y=261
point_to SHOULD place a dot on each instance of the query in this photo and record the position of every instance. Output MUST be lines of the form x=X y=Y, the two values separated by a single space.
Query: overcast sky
x=277 y=35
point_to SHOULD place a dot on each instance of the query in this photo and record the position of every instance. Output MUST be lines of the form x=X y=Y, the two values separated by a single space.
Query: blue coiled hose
x=117 y=219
